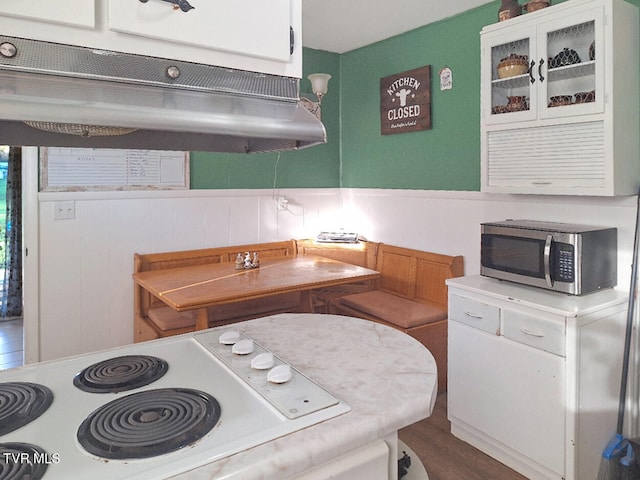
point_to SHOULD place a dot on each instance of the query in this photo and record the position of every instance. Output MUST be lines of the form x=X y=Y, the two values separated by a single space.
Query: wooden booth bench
x=362 y=254
x=411 y=295
x=153 y=319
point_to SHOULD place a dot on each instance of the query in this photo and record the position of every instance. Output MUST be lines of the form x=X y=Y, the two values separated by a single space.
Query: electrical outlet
x=64 y=210
x=282 y=203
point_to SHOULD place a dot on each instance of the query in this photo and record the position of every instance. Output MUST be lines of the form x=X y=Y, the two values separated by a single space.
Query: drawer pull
x=473 y=315
x=532 y=333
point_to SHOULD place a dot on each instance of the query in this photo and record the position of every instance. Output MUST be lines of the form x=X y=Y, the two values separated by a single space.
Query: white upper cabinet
x=559 y=101
x=249 y=35
x=250 y=27
x=65 y=12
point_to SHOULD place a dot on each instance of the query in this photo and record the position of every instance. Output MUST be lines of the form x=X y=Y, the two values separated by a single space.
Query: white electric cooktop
x=257 y=396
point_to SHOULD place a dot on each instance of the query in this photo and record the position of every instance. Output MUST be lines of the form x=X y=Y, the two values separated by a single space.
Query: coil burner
x=21 y=403
x=19 y=461
x=120 y=374
x=150 y=423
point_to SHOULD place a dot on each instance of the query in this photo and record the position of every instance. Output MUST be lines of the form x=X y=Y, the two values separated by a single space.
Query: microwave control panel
x=563 y=270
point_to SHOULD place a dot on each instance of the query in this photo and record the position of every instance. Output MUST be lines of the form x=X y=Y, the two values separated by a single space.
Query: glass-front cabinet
x=559 y=101
x=544 y=71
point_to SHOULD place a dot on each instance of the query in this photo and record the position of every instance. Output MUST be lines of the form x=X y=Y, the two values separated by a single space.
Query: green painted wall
x=314 y=167
x=447 y=157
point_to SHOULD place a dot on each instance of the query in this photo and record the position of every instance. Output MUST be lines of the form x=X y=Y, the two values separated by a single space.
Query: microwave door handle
x=547 y=263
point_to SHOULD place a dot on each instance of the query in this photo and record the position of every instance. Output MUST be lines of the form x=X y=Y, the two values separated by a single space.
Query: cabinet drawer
x=534 y=331
x=475 y=314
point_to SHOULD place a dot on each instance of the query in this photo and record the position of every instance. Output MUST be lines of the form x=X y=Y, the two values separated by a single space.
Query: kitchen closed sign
x=405 y=101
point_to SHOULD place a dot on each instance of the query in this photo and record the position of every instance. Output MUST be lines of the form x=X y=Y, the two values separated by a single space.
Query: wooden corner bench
x=411 y=295
x=362 y=253
x=154 y=319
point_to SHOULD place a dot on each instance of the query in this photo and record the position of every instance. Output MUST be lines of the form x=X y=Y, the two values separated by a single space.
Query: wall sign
x=405 y=101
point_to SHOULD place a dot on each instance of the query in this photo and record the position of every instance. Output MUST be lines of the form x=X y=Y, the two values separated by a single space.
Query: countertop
x=552 y=302
x=388 y=378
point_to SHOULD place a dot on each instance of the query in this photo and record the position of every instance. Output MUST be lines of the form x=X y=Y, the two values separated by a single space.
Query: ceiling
x=342 y=25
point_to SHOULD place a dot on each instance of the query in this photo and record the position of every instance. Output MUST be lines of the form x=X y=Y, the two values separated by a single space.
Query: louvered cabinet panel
x=550 y=158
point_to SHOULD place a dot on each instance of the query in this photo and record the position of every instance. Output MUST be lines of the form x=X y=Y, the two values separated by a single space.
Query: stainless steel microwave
x=574 y=259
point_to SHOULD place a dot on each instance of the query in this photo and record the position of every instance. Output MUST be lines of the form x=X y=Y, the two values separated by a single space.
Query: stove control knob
x=263 y=361
x=279 y=374
x=229 y=338
x=243 y=347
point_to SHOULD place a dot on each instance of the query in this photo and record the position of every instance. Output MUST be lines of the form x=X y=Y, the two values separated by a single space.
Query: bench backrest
x=361 y=253
x=417 y=275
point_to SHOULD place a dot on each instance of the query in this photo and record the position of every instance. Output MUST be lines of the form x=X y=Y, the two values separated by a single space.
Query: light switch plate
x=64 y=210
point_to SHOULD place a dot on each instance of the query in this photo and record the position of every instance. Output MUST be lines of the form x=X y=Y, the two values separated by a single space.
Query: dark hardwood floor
x=447 y=458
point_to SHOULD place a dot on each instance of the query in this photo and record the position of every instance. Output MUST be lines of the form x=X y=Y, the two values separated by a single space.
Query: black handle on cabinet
x=540 y=70
x=184 y=5
x=533 y=64
x=292 y=40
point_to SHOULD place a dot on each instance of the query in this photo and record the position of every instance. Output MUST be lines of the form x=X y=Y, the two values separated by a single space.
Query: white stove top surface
x=195 y=361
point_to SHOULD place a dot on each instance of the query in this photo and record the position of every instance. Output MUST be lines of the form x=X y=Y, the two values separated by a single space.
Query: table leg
x=306 y=302
x=202 y=321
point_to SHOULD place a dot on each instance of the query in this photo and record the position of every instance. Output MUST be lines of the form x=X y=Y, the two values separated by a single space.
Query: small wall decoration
x=446 y=79
x=405 y=101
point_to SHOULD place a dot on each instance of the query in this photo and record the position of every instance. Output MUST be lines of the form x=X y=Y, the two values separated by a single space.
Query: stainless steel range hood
x=47 y=90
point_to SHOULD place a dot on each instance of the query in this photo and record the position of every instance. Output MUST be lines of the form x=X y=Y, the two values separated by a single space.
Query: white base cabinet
x=534 y=375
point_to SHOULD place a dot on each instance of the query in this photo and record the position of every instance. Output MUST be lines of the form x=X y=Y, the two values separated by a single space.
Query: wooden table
x=201 y=286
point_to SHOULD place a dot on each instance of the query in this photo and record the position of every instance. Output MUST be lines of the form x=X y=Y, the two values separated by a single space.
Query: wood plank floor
x=447 y=458
x=10 y=344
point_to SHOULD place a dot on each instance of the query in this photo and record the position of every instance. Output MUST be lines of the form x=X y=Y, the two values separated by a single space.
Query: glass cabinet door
x=571 y=72
x=509 y=93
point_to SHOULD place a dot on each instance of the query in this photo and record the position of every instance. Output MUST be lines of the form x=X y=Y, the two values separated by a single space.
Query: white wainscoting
x=85 y=264
x=82 y=287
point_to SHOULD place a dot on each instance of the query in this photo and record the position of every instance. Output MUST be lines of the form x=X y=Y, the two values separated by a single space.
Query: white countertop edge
x=552 y=302
x=388 y=378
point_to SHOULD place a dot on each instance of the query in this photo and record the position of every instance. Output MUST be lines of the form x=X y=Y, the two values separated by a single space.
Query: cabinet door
x=248 y=27
x=511 y=393
x=508 y=92
x=66 y=12
x=571 y=76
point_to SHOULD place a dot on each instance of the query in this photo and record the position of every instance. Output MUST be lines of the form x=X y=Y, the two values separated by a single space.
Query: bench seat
x=166 y=318
x=411 y=295
x=394 y=309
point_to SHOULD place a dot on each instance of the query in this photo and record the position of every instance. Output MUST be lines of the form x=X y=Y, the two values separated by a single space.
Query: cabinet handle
x=473 y=315
x=540 y=70
x=183 y=5
x=533 y=64
x=531 y=333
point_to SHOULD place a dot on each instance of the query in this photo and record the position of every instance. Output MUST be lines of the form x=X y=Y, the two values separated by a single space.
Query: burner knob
x=229 y=338
x=263 y=361
x=279 y=374
x=243 y=347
